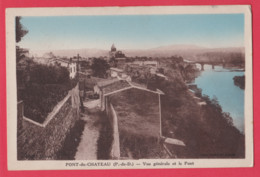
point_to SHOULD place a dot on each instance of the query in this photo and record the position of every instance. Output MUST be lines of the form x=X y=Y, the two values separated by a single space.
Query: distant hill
x=179 y=47
x=190 y=52
x=73 y=52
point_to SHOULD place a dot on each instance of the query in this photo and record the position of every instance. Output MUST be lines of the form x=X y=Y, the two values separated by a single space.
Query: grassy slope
x=139 y=125
x=138 y=112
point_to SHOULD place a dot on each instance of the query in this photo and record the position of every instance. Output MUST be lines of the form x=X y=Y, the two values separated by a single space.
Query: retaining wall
x=36 y=142
x=112 y=116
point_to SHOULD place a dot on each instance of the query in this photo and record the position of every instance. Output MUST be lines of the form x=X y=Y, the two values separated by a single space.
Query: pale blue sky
x=133 y=31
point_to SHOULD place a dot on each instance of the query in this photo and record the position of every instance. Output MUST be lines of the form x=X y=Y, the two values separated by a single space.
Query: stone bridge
x=213 y=64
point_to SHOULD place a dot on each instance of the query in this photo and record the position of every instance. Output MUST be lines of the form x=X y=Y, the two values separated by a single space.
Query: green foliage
x=100 y=67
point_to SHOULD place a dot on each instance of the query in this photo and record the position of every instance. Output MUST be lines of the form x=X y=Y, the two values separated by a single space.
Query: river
x=219 y=83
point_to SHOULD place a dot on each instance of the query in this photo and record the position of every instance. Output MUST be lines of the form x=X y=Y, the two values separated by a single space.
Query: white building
x=151 y=63
x=119 y=74
x=114 y=72
x=73 y=69
x=71 y=65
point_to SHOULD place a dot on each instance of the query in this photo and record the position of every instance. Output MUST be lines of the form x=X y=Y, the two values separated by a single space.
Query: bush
x=41 y=99
x=48 y=85
x=43 y=74
x=239 y=81
x=100 y=67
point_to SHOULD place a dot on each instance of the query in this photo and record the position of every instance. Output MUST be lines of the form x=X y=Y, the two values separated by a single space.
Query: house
x=146 y=63
x=119 y=73
x=73 y=69
x=109 y=86
x=151 y=63
x=138 y=63
x=120 y=62
x=114 y=72
x=133 y=111
x=136 y=90
x=99 y=85
x=59 y=61
x=131 y=108
x=69 y=64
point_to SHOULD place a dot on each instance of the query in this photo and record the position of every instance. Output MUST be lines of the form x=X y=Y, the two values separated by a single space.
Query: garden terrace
x=137 y=111
x=138 y=117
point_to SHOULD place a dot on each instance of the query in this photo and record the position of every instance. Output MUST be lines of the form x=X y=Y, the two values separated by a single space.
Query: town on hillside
x=114 y=107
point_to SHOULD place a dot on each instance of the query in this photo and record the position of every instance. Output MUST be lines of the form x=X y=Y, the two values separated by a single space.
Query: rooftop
x=150 y=62
x=117 y=86
x=120 y=58
x=106 y=82
x=116 y=69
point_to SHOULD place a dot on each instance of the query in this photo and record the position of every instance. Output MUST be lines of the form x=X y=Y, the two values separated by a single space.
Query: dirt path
x=87 y=149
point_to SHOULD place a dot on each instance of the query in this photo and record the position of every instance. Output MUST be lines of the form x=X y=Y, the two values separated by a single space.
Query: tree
x=113 y=62
x=20 y=32
x=99 y=67
x=19 y=29
x=43 y=74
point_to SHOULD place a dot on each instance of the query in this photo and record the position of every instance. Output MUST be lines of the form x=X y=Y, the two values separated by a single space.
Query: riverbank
x=218 y=83
x=207 y=131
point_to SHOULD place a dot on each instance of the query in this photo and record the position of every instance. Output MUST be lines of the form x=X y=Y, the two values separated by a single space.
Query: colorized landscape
x=146 y=87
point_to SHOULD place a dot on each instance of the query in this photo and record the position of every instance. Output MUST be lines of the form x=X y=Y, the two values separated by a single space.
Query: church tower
x=113 y=48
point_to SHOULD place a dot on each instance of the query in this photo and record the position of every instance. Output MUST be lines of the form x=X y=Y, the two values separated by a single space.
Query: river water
x=219 y=83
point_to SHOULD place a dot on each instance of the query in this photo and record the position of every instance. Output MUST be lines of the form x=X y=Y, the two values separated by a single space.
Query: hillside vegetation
x=43 y=87
x=207 y=131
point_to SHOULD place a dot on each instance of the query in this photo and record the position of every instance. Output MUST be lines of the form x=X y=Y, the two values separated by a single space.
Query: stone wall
x=112 y=116
x=40 y=143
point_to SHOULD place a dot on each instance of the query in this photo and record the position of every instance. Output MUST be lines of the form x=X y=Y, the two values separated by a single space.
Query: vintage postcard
x=129 y=87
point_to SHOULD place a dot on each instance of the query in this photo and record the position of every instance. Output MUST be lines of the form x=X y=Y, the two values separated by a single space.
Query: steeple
x=113 y=48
